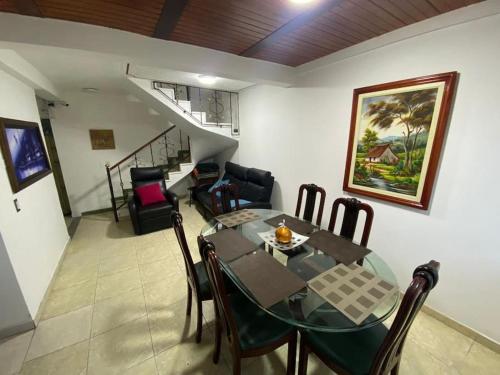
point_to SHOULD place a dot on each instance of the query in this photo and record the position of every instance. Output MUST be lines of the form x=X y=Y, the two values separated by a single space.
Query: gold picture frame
x=102 y=139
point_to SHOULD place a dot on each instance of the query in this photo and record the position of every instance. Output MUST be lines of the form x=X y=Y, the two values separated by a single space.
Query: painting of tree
x=412 y=111
x=370 y=139
x=397 y=131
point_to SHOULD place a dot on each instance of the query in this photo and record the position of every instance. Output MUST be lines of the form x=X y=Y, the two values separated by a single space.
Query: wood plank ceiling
x=271 y=30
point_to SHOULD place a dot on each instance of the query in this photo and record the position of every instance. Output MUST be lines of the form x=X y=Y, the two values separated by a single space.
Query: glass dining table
x=306 y=309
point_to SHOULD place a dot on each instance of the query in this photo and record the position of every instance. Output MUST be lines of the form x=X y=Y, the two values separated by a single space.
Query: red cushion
x=150 y=194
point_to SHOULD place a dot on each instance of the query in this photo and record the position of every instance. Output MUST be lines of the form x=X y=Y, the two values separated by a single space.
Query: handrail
x=140 y=148
x=177 y=104
x=156 y=87
x=234 y=124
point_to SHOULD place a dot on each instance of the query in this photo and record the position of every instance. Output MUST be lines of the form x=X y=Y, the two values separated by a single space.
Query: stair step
x=185 y=104
x=197 y=115
x=184 y=156
x=169 y=92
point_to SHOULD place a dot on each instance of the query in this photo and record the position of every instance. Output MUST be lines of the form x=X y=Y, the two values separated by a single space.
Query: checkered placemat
x=235 y=218
x=353 y=290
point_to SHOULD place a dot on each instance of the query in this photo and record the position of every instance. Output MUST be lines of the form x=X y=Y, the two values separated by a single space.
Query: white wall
x=84 y=170
x=36 y=236
x=14 y=315
x=300 y=134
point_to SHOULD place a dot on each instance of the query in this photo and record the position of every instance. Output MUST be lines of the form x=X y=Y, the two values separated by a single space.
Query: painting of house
x=382 y=154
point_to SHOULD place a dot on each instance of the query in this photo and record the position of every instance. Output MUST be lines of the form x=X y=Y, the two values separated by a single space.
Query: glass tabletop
x=306 y=309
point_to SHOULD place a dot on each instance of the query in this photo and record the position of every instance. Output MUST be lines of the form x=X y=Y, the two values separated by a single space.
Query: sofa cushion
x=259 y=176
x=150 y=194
x=234 y=180
x=236 y=171
x=253 y=192
x=155 y=210
x=205 y=198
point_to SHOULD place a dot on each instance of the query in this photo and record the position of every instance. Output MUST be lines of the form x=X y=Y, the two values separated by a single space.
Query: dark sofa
x=255 y=185
x=147 y=219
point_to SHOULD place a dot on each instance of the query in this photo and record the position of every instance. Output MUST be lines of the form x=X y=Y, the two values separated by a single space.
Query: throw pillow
x=242 y=202
x=217 y=184
x=150 y=194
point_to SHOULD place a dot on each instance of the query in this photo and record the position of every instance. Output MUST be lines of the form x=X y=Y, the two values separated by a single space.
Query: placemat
x=230 y=244
x=266 y=278
x=299 y=226
x=235 y=218
x=353 y=290
x=341 y=249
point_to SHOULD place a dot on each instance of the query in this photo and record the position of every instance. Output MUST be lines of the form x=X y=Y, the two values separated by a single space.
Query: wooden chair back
x=223 y=312
x=221 y=203
x=312 y=191
x=388 y=357
x=191 y=274
x=351 y=213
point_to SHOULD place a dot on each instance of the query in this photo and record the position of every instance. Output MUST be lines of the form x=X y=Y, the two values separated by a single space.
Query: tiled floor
x=117 y=306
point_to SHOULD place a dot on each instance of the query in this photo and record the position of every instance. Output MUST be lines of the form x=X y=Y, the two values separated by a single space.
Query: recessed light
x=90 y=90
x=207 y=80
x=300 y=1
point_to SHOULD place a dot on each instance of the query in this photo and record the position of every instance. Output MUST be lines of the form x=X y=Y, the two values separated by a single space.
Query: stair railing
x=233 y=102
x=216 y=94
x=166 y=144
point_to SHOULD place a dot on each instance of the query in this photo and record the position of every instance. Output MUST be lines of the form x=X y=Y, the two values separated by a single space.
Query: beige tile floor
x=117 y=306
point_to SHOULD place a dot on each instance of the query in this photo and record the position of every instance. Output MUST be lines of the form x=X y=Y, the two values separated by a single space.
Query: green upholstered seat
x=353 y=351
x=256 y=328
x=205 y=293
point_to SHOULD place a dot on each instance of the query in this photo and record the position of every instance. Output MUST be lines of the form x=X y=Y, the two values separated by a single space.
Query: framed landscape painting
x=397 y=131
x=23 y=152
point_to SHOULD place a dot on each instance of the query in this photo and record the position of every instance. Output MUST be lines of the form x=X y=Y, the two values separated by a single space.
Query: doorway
x=56 y=166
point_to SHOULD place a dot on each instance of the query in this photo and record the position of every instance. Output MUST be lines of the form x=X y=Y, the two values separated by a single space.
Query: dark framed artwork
x=396 y=136
x=102 y=139
x=24 y=152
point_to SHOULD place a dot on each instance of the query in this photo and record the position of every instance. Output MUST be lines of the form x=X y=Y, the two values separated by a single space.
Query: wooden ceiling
x=272 y=30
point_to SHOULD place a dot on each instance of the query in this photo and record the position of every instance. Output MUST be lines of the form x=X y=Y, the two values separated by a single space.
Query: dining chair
x=376 y=350
x=250 y=331
x=197 y=280
x=312 y=191
x=351 y=212
x=222 y=198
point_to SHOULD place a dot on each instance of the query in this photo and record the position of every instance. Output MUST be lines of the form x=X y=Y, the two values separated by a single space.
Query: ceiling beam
x=290 y=26
x=27 y=8
x=170 y=14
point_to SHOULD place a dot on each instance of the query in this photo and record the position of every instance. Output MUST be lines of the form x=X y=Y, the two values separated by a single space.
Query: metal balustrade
x=206 y=107
x=167 y=151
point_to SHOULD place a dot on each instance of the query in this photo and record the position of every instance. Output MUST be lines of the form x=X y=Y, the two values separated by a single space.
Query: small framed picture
x=24 y=152
x=102 y=139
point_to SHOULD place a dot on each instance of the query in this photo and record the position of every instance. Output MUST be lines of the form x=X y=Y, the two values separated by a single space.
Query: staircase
x=205 y=106
x=170 y=151
x=206 y=123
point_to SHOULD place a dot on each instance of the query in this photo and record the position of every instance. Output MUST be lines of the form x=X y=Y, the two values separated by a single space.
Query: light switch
x=16 y=205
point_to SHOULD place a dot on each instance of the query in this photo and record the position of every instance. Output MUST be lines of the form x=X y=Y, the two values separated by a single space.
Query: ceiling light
x=207 y=80
x=300 y=1
x=90 y=90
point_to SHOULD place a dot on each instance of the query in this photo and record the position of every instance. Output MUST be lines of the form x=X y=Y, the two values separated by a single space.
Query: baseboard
x=463 y=329
x=47 y=291
x=99 y=211
x=16 y=330
x=73 y=226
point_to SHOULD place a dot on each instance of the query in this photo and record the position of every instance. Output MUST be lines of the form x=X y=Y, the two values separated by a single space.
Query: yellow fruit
x=283 y=234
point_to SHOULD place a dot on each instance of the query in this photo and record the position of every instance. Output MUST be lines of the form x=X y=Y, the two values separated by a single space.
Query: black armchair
x=147 y=219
